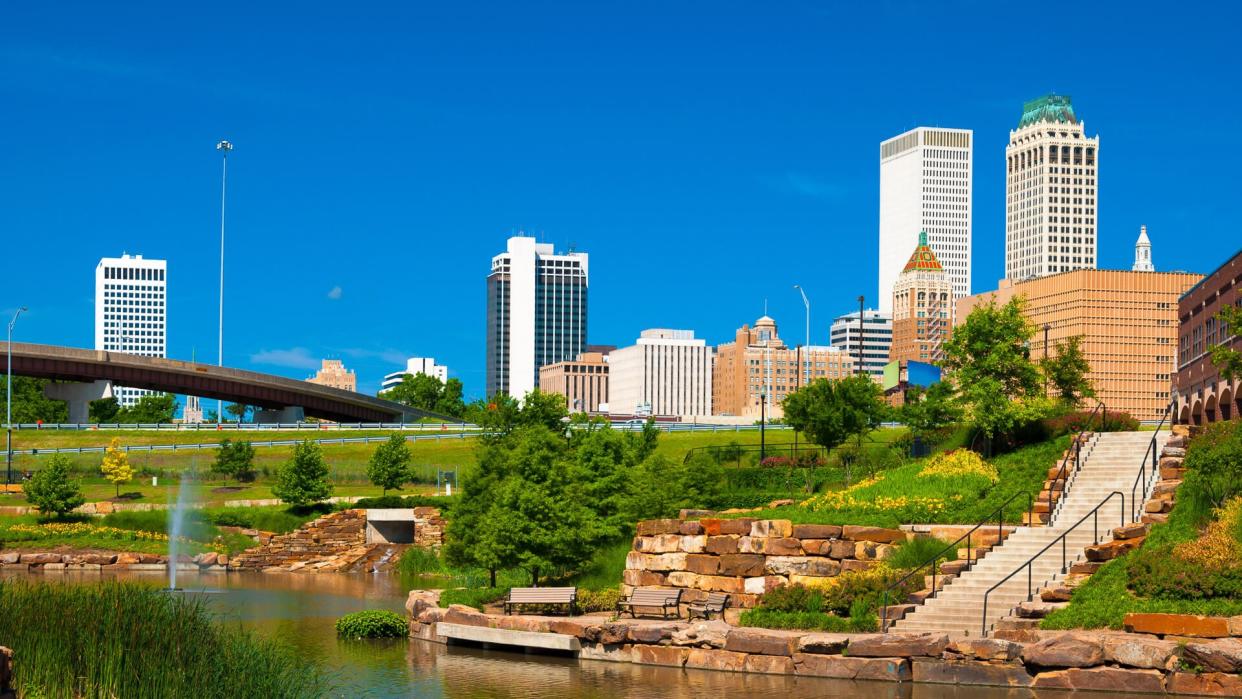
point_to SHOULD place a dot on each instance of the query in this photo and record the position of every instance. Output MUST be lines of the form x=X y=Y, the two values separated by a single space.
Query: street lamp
x=8 y=403
x=224 y=147
x=862 y=333
x=806 y=302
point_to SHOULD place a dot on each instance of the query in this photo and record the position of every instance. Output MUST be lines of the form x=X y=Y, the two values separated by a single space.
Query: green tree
x=116 y=467
x=235 y=459
x=927 y=411
x=450 y=401
x=52 y=490
x=1066 y=372
x=502 y=414
x=661 y=487
x=154 y=408
x=237 y=411
x=605 y=458
x=1214 y=462
x=389 y=467
x=473 y=536
x=30 y=405
x=989 y=357
x=1227 y=360
x=831 y=411
x=304 y=478
x=104 y=410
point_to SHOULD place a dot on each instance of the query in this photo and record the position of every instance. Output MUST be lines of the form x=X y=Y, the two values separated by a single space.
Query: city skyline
x=673 y=184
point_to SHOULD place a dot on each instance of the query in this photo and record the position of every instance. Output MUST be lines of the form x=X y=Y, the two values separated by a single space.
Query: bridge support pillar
x=269 y=416
x=79 y=397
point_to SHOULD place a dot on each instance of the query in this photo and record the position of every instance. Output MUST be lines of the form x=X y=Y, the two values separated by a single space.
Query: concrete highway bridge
x=281 y=399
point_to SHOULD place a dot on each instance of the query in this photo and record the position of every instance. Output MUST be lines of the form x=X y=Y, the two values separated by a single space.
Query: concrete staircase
x=1110 y=462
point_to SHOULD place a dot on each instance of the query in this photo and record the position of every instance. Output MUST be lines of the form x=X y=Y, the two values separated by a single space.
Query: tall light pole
x=806 y=302
x=224 y=147
x=8 y=403
x=862 y=333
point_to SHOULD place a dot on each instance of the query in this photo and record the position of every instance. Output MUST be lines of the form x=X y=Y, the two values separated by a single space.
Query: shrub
x=959 y=463
x=372 y=623
x=445 y=503
x=51 y=490
x=918 y=551
x=304 y=478
x=865 y=588
x=1214 y=462
x=599 y=600
x=761 y=617
x=1156 y=571
x=793 y=598
x=1079 y=420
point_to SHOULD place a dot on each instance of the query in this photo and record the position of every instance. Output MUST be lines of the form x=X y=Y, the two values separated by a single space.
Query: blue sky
x=708 y=156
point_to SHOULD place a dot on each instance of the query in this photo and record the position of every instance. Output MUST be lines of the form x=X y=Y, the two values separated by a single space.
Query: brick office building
x=1203 y=395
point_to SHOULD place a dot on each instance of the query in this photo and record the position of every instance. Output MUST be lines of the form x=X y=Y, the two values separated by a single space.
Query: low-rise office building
x=1127 y=321
x=413 y=367
x=866 y=339
x=1203 y=395
x=667 y=372
x=583 y=382
x=758 y=366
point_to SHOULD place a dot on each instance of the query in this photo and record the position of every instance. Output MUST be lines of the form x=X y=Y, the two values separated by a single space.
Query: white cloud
x=294 y=358
x=335 y=293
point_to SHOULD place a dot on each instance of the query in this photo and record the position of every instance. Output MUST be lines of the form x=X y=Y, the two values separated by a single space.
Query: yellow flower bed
x=1216 y=548
x=957 y=463
x=52 y=530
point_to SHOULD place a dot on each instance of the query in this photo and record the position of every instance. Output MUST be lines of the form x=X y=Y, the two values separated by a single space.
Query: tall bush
x=52 y=490
x=304 y=478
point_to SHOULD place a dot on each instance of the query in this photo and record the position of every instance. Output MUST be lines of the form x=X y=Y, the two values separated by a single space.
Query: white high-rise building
x=667 y=372
x=131 y=311
x=876 y=335
x=1050 y=192
x=925 y=185
x=413 y=367
x=536 y=313
x=1142 y=253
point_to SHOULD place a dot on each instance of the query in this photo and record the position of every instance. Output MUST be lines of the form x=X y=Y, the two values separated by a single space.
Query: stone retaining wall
x=1120 y=662
x=332 y=535
x=748 y=557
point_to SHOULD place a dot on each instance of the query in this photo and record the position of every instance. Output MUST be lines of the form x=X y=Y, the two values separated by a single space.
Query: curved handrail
x=1076 y=449
x=1000 y=528
x=1095 y=512
x=1155 y=465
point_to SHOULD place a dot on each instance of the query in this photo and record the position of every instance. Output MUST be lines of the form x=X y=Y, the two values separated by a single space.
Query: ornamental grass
x=130 y=640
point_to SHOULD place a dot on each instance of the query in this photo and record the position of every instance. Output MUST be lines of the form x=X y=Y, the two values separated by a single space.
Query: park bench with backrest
x=714 y=604
x=542 y=596
x=651 y=598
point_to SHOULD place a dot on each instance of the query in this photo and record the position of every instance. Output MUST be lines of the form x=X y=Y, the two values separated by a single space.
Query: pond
x=302 y=609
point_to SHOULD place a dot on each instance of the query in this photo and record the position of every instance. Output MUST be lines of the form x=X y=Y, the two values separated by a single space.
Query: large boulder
x=816 y=531
x=1217 y=684
x=985 y=649
x=1177 y=625
x=716 y=659
x=418 y=600
x=1223 y=655
x=762 y=641
x=771 y=528
x=898 y=645
x=1106 y=679
x=1140 y=651
x=744 y=564
x=1066 y=650
x=802 y=565
x=851 y=668
x=969 y=672
x=705 y=634
x=878 y=535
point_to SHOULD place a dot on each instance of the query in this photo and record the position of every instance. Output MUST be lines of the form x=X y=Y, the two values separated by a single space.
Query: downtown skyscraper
x=131 y=313
x=926 y=177
x=1051 y=220
x=536 y=313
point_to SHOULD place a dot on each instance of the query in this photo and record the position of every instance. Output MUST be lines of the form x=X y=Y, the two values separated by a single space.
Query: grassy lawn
x=902 y=495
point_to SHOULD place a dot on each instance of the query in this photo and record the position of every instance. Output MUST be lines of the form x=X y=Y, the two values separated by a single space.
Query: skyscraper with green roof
x=1051 y=180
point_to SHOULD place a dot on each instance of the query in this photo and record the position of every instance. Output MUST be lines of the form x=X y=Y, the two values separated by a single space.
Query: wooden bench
x=652 y=598
x=714 y=604
x=551 y=596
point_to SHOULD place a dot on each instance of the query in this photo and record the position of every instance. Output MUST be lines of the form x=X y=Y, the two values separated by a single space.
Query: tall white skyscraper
x=131 y=314
x=925 y=185
x=536 y=313
x=1050 y=192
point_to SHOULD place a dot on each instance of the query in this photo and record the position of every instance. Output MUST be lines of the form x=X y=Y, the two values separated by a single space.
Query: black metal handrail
x=1094 y=514
x=1155 y=465
x=1062 y=476
x=1000 y=536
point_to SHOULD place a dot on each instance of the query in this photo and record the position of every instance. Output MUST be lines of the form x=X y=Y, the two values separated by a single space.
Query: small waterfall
x=176 y=518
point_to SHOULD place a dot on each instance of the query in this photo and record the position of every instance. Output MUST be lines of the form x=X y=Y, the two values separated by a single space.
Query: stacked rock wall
x=748 y=557
x=428 y=527
x=331 y=535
